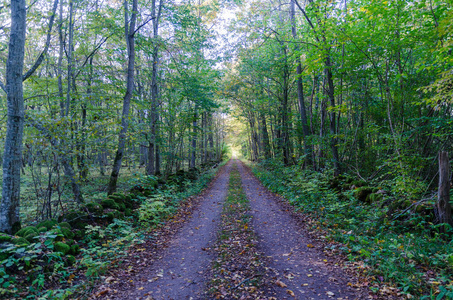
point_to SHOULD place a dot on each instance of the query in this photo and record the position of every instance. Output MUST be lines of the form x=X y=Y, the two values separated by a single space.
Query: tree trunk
x=443 y=201
x=333 y=132
x=9 y=208
x=129 y=34
x=300 y=93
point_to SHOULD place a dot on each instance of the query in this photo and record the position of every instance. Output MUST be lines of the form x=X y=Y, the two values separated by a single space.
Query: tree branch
x=92 y=53
x=44 y=52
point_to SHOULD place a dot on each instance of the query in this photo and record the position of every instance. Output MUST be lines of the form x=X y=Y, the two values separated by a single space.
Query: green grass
x=235 y=247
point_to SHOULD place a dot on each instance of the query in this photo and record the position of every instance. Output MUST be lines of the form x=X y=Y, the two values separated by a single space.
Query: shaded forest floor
x=237 y=240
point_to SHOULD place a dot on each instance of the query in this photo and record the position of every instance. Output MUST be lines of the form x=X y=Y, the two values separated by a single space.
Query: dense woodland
x=357 y=87
x=106 y=86
x=351 y=96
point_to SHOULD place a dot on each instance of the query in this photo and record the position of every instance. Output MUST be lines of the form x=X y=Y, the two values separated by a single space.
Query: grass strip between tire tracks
x=238 y=269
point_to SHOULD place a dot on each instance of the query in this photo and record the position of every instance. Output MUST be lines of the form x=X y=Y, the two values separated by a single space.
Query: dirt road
x=300 y=270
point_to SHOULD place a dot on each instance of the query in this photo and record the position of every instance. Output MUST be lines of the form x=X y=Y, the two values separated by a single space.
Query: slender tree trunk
x=331 y=95
x=129 y=34
x=9 y=207
x=443 y=201
x=70 y=42
x=60 y=61
x=300 y=93
x=194 y=138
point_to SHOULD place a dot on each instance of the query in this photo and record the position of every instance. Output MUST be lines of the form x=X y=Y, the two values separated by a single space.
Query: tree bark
x=443 y=201
x=9 y=208
x=130 y=40
x=300 y=92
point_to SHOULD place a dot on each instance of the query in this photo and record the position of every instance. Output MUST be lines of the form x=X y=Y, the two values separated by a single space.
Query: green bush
x=67 y=233
x=152 y=211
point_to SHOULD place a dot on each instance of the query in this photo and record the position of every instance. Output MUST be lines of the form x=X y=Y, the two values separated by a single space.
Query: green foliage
x=153 y=211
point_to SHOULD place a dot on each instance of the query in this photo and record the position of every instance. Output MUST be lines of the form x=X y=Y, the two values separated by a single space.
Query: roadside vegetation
x=64 y=257
x=393 y=237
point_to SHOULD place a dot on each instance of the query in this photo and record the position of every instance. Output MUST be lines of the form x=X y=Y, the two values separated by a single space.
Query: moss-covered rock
x=76 y=219
x=118 y=197
x=64 y=225
x=59 y=234
x=362 y=193
x=128 y=212
x=20 y=241
x=95 y=208
x=47 y=223
x=26 y=231
x=67 y=233
x=31 y=237
x=70 y=260
x=5 y=238
x=110 y=203
x=70 y=242
x=62 y=247
x=75 y=249
x=79 y=234
x=42 y=229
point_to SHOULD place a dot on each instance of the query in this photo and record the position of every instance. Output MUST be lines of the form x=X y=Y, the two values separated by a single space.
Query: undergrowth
x=410 y=253
x=61 y=260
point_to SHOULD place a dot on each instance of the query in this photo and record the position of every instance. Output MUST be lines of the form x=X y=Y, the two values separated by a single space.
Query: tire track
x=179 y=273
x=300 y=270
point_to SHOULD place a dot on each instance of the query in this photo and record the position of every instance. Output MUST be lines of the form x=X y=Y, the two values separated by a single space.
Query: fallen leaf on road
x=310 y=246
x=280 y=284
x=330 y=294
x=309 y=275
x=109 y=279
x=291 y=293
x=140 y=288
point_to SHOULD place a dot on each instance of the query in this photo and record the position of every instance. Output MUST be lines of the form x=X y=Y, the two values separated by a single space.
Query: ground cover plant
x=397 y=240
x=63 y=258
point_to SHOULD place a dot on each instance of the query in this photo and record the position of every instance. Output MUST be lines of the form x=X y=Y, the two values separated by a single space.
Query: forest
x=114 y=112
